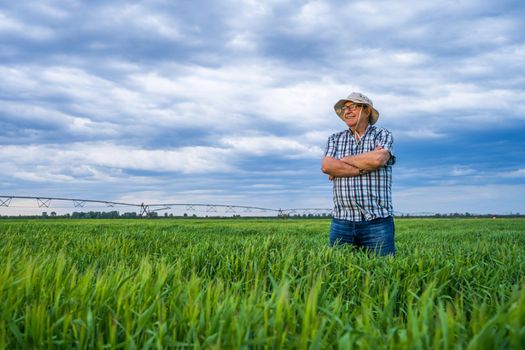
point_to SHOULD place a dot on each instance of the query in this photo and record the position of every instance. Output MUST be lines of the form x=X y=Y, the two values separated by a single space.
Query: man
x=359 y=162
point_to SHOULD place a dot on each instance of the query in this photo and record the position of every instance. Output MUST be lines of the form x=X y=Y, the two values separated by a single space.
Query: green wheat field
x=259 y=284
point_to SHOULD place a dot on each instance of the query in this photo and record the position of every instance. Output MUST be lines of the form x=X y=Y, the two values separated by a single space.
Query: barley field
x=259 y=284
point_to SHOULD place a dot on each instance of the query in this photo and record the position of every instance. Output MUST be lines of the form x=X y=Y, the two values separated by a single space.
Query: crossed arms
x=351 y=166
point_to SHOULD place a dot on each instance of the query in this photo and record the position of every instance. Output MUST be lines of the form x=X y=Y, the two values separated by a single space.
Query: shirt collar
x=368 y=127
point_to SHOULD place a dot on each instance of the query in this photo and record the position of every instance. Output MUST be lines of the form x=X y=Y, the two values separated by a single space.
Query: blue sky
x=231 y=102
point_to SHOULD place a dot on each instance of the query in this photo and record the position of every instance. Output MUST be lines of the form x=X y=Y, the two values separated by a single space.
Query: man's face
x=351 y=112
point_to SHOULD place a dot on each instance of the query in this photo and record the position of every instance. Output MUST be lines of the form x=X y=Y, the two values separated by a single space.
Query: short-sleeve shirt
x=367 y=196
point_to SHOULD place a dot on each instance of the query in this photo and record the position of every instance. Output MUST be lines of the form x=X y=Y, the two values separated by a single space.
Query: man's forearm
x=338 y=168
x=368 y=161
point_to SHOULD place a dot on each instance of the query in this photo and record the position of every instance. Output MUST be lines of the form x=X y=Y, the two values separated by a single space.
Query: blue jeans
x=375 y=235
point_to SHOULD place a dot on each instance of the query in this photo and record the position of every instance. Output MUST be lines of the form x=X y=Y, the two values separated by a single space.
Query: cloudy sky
x=231 y=102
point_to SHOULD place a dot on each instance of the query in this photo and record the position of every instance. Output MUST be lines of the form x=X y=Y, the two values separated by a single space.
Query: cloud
x=142 y=20
x=41 y=9
x=272 y=145
x=418 y=134
x=518 y=173
x=462 y=171
x=93 y=160
x=48 y=119
x=185 y=160
x=314 y=17
x=41 y=176
x=14 y=27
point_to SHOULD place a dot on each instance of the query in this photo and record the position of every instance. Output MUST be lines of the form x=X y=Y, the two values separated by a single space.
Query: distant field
x=274 y=283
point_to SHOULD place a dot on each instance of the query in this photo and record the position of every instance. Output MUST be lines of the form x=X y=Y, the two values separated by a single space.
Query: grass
x=455 y=283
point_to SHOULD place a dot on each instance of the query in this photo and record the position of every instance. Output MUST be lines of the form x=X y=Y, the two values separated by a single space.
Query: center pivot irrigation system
x=146 y=208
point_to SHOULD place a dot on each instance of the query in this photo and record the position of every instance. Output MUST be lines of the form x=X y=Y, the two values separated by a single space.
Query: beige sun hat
x=357 y=97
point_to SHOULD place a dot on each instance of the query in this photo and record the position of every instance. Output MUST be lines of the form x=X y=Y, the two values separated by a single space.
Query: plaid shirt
x=367 y=196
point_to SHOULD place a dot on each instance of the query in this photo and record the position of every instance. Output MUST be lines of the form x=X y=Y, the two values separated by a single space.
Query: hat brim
x=338 y=107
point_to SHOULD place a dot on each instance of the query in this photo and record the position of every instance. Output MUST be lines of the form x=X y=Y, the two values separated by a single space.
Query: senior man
x=359 y=162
